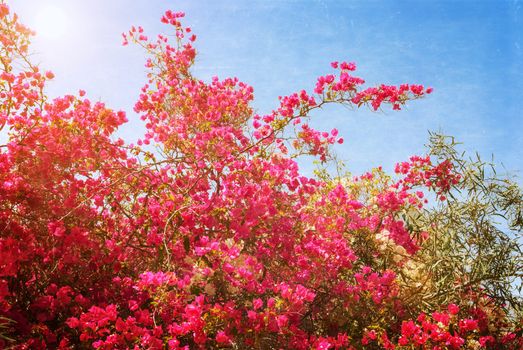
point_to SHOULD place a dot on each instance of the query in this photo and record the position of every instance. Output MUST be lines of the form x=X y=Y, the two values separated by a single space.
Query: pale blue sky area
x=470 y=52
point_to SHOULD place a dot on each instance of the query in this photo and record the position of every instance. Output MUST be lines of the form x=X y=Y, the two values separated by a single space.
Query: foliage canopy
x=206 y=235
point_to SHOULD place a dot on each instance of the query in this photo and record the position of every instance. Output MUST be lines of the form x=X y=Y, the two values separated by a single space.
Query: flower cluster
x=446 y=330
x=212 y=238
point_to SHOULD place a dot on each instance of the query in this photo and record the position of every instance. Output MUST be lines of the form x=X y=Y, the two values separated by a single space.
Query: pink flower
x=73 y=322
x=441 y=317
x=453 y=309
x=4 y=10
x=486 y=340
x=282 y=321
x=257 y=304
x=222 y=338
x=324 y=344
x=455 y=342
x=468 y=325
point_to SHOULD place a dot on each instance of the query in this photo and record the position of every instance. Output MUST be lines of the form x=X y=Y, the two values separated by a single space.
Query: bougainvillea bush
x=205 y=235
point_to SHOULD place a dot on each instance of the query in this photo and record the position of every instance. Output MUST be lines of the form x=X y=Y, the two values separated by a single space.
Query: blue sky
x=470 y=52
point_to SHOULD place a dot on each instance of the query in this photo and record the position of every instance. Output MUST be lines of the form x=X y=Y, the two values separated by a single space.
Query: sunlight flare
x=51 y=22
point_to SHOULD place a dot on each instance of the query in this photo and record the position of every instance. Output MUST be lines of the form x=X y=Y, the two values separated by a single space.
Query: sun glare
x=51 y=22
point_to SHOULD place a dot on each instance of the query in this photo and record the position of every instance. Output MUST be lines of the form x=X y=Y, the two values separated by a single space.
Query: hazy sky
x=470 y=52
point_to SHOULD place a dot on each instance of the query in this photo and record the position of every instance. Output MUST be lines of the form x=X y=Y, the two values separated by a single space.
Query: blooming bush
x=204 y=234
